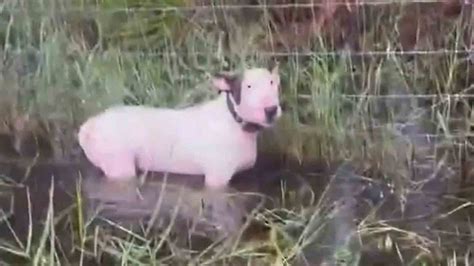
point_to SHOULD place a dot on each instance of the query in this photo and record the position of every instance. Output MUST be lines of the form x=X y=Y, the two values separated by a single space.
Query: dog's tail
x=85 y=134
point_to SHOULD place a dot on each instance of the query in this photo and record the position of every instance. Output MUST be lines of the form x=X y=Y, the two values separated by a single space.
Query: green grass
x=335 y=111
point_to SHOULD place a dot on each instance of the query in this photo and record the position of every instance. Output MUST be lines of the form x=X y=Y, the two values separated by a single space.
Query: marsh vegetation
x=370 y=164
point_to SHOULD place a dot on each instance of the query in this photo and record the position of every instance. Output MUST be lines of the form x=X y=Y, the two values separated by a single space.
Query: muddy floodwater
x=351 y=195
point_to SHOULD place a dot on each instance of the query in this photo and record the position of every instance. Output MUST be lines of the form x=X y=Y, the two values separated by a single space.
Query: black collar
x=246 y=126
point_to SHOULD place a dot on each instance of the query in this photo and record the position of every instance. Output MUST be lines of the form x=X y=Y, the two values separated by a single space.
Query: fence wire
x=263 y=5
x=466 y=54
x=461 y=54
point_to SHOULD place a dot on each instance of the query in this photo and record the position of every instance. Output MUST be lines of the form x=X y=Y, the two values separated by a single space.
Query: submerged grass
x=338 y=107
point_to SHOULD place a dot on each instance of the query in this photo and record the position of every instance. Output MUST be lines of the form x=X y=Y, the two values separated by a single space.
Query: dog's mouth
x=269 y=123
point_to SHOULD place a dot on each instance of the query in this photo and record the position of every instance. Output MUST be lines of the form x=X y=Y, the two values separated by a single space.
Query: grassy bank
x=63 y=62
x=54 y=70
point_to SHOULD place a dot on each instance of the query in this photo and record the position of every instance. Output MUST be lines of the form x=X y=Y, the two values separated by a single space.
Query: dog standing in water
x=216 y=138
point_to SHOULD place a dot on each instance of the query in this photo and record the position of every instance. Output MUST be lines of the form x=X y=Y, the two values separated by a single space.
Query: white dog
x=216 y=139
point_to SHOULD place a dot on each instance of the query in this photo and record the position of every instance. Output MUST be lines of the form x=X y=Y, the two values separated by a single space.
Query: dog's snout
x=270 y=112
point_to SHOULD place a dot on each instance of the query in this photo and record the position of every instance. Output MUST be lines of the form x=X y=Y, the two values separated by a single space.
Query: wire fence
x=262 y=6
x=49 y=8
x=461 y=54
x=465 y=54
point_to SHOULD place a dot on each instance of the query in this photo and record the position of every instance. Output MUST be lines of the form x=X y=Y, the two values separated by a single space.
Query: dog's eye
x=271 y=82
x=248 y=86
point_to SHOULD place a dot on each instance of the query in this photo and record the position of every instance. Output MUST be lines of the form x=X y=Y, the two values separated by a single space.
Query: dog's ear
x=223 y=81
x=274 y=68
x=229 y=82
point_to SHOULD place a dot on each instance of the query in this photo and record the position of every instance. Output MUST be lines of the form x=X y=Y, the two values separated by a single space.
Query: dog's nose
x=270 y=112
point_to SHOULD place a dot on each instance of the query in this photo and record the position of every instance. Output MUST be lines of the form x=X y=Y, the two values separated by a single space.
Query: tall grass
x=338 y=107
x=68 y=84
